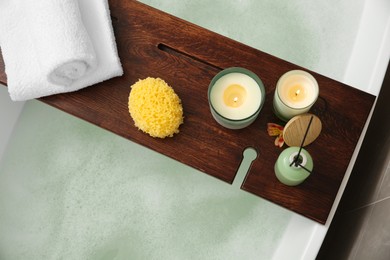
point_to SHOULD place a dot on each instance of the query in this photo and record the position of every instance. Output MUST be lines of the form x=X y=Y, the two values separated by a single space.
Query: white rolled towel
x=60 y=39
x=51 y=46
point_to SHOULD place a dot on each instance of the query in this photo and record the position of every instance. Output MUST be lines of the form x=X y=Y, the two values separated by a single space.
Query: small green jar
x=293 y=175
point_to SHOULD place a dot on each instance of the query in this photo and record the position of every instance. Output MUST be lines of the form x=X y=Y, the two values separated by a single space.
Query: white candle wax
x=296 y=91
x=236 y=96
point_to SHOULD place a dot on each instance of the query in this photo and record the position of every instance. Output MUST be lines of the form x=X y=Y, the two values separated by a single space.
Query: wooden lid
x=295 y=130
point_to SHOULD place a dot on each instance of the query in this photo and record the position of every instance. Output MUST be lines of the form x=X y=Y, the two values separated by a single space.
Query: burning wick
x=297 y=92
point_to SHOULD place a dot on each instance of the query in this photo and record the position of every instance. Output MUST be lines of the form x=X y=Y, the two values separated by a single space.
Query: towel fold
x=56 y=46
x=63 y=47
x=66 y=73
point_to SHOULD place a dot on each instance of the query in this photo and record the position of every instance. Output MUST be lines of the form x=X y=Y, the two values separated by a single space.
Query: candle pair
x=236 y=96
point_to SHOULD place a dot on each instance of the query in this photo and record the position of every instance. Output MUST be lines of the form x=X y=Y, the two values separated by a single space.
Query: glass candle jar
x=296 y=92
x=236 y=97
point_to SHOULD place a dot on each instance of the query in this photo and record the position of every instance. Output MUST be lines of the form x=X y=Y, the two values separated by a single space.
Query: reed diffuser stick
x=296 y=158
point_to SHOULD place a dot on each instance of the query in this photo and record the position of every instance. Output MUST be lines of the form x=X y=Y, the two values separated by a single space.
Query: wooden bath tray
x=153 y=43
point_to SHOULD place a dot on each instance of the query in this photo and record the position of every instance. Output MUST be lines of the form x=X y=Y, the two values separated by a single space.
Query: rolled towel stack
x=56 y=46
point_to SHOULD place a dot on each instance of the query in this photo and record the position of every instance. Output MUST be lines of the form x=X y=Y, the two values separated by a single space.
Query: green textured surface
x=70 y=190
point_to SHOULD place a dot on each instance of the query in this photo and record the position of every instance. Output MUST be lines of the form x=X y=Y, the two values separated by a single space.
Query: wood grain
x=154 y=44
x=295 y=129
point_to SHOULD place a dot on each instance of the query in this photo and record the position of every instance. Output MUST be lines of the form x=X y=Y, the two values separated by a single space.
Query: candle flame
x=234 y=95
x=297 y=92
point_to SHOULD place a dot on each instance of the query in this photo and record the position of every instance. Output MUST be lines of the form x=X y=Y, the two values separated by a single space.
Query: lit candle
x=290 y=173
x=296 y=92
x=236 y=96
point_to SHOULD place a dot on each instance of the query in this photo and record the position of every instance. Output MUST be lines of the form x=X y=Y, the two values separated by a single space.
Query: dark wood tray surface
x=153 y=43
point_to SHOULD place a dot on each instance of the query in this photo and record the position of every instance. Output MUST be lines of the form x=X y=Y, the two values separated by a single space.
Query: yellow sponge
x=155 y=107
